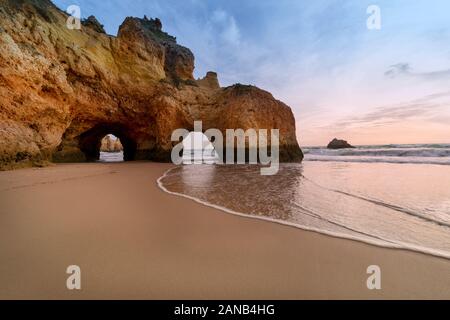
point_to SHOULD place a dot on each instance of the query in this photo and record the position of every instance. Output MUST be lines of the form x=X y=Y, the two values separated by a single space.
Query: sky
x=342 y=79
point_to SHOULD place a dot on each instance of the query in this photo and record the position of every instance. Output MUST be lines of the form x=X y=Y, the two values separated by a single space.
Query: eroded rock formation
x=93 y=23
x=62 y=90
x=110 y=144
x=339 y=144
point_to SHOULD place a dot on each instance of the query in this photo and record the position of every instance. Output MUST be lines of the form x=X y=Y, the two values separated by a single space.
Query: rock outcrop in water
x=339 y=144
x=62 y=90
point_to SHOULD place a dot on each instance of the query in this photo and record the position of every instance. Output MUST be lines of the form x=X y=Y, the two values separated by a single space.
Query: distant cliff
x=109 y=144
x=62 y=90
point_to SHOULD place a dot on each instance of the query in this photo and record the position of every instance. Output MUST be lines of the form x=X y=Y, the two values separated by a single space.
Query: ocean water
x=207 y=156
x=408 y=153
x=367 y=194
x=111 y=156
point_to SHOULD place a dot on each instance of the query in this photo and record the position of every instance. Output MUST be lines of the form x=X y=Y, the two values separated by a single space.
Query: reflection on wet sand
x=369 y=202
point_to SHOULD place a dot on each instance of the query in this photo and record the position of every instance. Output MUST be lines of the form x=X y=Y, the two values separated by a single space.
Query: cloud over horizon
x=405 y=69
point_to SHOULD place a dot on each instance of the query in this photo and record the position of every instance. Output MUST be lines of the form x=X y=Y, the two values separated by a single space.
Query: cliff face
x=62 y=90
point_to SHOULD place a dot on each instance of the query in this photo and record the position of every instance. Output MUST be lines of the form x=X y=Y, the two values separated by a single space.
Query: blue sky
x=340 y=78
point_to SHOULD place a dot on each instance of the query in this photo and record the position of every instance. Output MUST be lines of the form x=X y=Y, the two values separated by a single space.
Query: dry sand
x=133 y=241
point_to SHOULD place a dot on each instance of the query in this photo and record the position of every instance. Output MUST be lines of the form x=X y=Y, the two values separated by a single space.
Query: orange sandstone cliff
x=62 y=90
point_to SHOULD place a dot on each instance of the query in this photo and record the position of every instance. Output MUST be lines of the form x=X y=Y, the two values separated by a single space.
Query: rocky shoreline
x=62 y=90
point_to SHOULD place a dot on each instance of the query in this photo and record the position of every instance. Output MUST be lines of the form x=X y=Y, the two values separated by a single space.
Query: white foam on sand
x=380 y=243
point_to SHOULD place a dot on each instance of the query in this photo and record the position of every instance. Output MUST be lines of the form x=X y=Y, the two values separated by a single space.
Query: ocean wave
x=417 y=154
x=383 y=152
x=394 y=146
x=382 y=203
x=342 y=229
x=379 y=159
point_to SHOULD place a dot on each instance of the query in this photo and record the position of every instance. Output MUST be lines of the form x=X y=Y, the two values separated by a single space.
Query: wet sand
x=133 y=241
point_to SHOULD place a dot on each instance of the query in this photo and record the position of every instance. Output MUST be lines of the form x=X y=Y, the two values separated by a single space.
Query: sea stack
x=339 y=144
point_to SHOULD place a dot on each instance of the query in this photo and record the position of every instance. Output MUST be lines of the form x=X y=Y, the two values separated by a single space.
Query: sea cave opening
x=108 y=143
x=111 y=149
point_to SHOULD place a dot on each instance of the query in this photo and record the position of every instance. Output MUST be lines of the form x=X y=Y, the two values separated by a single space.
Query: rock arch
x=61 y=89
x=90 y=141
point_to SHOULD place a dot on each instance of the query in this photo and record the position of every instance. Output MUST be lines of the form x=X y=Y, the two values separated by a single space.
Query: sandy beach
x=133 y=241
